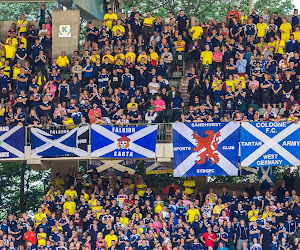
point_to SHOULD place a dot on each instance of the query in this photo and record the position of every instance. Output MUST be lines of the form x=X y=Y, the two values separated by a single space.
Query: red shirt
x=96 y=112
x=31 y=236
x=208 y=242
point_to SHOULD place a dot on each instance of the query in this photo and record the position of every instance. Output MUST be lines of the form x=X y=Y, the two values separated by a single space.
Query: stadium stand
x=246 y=70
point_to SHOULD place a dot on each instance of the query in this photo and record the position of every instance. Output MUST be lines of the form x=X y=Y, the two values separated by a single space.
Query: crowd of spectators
x=122 y=213
x=246 y=70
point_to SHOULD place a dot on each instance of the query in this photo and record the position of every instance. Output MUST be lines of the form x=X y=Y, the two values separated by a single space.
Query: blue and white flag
x=12 y=142
x=246 y=170
x=266 y=177
x=205 y=149
x=270 y=144
x=123 y=142
x=112 y=166
x=59 y=142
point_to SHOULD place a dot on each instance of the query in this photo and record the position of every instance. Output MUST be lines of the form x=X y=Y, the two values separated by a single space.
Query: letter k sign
x=64 y=30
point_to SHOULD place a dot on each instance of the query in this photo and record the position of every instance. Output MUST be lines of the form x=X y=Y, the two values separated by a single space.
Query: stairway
x=183 y=89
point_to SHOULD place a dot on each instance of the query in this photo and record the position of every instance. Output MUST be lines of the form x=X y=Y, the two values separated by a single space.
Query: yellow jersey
x=9 y=51
x=41 y=237
x=207 y=57
x=177 y=43
x=261 y=29
x=286 y=28
x=132 y=56
x=108 y=18
x=297 y=36
x=71 y=206
x=62 y=61
x=190 y=183
x=94 y=58
x=197 y=32
x=109 y=238
x=73 y=193
x=14 y=41
x=38 y=218
x=16 y=72
x=110 y=57
x=23 y=29
x=148 y=21
x=252 y=214
x=118 y=27
x=230 y=83
x=124 y=220
x=191 y=213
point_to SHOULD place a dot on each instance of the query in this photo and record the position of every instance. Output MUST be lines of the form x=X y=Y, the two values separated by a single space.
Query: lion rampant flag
x=205 y=149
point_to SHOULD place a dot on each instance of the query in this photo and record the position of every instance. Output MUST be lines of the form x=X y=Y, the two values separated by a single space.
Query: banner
x=112 y=166
x=205 y=149
x=266 y=177
x=123 y=142
x=12 y=142
x=55 y=142
x=270 y=144
x=120 y=166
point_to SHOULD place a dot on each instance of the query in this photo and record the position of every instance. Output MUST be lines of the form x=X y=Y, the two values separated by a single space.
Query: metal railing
x=164 y=131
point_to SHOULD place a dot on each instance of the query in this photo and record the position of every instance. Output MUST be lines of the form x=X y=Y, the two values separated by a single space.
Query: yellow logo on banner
x=64 y=31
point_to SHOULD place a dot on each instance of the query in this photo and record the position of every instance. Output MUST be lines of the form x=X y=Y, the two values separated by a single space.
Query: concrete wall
x=91 y=9
x=5 y=26
x=68 y=44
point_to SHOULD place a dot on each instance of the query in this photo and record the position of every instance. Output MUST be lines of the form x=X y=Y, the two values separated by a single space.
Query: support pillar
x=65 y=31
x=250 y=6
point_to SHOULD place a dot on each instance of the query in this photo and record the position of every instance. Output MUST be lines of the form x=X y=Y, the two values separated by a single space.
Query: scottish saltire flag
x=12 y=142
x=270 y=144
x=59 y=142
x=266 y=177
x=112 y=166
x=123 y=142
x=205 y=149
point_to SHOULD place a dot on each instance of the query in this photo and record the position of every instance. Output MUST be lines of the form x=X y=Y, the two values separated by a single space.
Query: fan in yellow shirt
x=94 y=57
x=253 y=214
x=69 y=205
x=297 y=34
x=38 y=217
x=285 y=29
x=14 y=41
x=124 y=220
x=279 y=45
x=63 y=61
x=130 y=54
x=22 y=24
x=206 y=56
x=261 y=28
x=189 y=185
x=41 y=237
x=110 y=18
x=111 y=59
x=71 y=192
x=197 y=31
x=119 y=27
x=10 y=51
x=191 y=213
x=148 y=21
x=180 y=44
x=110 y=237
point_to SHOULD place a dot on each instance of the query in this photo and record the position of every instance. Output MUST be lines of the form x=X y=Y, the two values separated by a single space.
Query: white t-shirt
x=152 y=84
